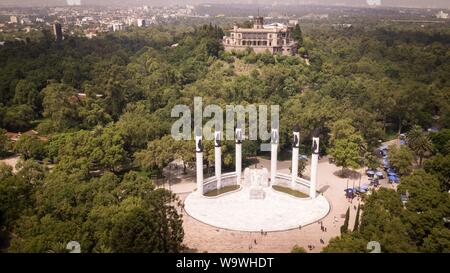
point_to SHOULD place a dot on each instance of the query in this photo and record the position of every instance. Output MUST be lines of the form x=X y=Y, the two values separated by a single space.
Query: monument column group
x=273 y=161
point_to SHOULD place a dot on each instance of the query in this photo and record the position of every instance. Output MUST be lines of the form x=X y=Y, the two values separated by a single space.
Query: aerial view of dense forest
x=95 y=120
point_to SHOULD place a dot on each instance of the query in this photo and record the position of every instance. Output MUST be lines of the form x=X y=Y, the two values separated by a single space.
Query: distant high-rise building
x=13 y=19
x=118 y=27
x=442 y=15
x=57 y=31
x=73 y=2
x=141 y=23
x=25 y=21
x=374 y=3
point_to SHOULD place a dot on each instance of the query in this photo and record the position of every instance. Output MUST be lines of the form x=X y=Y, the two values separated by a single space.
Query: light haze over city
x=387 y=3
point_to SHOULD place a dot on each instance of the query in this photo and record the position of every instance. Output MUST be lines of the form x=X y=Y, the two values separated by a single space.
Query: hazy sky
x=404 y=3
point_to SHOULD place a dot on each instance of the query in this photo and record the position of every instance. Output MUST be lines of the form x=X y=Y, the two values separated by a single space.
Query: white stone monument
x=295 y=152
x=314 y=164
x=273 y=158
x=238 y=154
x=218 y=158
x=199 y=163
x=256 y=180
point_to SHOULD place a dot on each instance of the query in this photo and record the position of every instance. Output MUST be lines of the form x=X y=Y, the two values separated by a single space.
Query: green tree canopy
x=401 y=159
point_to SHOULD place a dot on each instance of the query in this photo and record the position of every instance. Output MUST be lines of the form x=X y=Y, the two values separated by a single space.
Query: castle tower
x=258 y=22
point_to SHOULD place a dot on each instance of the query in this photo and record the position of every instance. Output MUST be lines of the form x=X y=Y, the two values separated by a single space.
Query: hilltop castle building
x=275 y=38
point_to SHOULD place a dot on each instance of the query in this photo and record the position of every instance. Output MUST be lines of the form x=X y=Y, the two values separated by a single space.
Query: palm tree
x=58 y=247
x=419 y=142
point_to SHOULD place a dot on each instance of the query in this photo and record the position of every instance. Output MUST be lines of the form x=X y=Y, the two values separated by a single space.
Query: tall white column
x=238 y=154
x=314 y=163
x=218 y=158
x=273 y=157
x=295 y=148
x=199 y=163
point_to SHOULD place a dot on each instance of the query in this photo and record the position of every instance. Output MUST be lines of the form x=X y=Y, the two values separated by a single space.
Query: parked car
x=370 y=172
x=303 y=157
x=379 y=174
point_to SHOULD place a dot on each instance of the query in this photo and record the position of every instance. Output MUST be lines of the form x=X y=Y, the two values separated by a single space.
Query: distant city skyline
x=361 y=3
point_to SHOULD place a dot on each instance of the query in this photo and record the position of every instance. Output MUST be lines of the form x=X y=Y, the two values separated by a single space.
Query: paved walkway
x=11 y=161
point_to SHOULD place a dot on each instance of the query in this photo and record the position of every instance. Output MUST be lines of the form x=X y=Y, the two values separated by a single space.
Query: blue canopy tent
x=349 y=192
x=394 y=179
x=364 y=187
x=391 y=173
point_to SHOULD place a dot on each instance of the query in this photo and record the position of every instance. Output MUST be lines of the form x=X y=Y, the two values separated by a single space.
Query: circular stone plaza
x=265 y=208
x=256 y=200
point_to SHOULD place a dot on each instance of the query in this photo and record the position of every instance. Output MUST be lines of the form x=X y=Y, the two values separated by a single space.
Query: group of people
x=310 y=246
x=254 y=242
x=324 y=229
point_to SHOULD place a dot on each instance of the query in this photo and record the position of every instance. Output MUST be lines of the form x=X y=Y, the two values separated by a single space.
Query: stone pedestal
x=257 y=193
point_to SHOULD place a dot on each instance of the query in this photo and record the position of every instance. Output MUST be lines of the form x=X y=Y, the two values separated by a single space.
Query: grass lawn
x=222 y=191
x=290 y=191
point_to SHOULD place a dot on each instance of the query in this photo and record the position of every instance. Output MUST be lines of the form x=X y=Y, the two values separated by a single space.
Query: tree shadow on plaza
x=187 y=249
x=324 y=189
x=347 y=173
